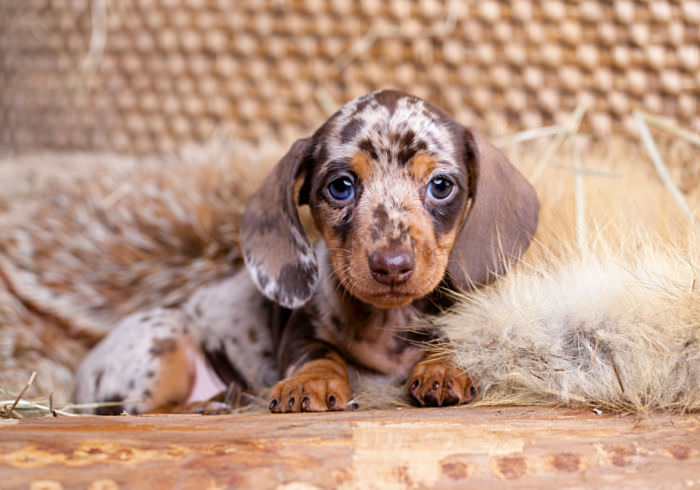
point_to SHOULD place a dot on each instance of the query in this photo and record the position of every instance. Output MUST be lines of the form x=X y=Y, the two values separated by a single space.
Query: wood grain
x=410 y=448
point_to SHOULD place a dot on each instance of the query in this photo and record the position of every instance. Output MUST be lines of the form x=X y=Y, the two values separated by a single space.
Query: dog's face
x=389 y=189
x=401 y=193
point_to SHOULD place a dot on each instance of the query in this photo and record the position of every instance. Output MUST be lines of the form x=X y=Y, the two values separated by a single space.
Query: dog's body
x=407 y=201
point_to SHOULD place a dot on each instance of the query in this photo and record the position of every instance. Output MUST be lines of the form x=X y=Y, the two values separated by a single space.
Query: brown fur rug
x=609 y=317
x=86 y=239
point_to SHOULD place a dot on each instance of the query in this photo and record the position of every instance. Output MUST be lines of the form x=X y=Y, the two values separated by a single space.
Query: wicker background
x=156 y=73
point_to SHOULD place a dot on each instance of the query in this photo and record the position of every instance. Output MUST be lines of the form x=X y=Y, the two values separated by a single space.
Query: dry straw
x=19 y=408
x=658 y=161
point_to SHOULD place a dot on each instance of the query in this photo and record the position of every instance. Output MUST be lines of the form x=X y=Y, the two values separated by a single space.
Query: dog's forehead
x=390 y=127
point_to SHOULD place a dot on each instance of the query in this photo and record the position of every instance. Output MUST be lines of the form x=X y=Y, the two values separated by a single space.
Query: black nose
x=391 y=267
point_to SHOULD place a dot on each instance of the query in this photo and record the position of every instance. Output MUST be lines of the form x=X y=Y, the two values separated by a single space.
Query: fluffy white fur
x=616 y=332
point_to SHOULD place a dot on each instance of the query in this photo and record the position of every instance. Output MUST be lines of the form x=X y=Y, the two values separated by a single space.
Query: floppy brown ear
x=276 y=250
x=502 y=218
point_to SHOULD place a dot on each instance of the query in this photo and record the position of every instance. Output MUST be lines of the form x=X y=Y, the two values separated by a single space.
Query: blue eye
x=440 y=188
x=341 y=189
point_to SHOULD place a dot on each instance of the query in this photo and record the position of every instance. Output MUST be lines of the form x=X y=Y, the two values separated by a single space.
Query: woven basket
x=144 y=76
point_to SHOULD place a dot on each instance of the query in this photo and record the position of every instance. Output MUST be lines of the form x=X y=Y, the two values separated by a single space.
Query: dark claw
x=472 y=391
x=305 y=402
x=354 y=405
x=273 y=404
x=432 y=397
x=451 y=398
x=331 y=401
x=290 y=402
x=413 y=390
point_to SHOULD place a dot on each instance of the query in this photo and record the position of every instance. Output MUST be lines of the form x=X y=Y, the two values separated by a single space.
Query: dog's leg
x=316 y=374
x=435 y=381
x=148 y=360
x=168 y=359
x=235 y=323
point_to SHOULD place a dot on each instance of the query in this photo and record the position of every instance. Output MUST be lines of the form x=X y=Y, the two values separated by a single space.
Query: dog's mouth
x=391 y=298
x=381 y=295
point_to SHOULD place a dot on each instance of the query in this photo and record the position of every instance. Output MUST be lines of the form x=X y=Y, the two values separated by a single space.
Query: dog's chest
x=378 y=341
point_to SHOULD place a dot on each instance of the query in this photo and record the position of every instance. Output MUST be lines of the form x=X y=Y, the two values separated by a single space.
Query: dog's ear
x=501 y=220
x=276 y=250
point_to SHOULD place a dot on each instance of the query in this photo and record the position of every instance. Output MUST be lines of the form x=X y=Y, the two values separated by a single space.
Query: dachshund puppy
x=408 y=203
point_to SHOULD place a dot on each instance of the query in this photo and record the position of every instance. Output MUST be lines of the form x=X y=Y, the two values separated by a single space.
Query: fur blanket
x=603 y=312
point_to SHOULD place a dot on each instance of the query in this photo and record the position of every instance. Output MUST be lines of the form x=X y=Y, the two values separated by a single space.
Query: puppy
x=408 y=203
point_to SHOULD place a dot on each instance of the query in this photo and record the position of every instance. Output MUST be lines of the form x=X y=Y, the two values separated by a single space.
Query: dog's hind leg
x=148 y=360
x=169 y=358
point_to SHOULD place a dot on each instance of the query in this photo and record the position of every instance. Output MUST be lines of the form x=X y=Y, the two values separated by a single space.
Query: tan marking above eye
x=361 y=165
x=421 y=166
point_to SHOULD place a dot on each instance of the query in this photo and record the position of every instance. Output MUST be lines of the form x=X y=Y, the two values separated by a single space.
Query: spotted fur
x=171 y=356
x=356 y=296
x=389 y=147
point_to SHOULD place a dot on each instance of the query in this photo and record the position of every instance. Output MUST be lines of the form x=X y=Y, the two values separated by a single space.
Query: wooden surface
x=410 y=448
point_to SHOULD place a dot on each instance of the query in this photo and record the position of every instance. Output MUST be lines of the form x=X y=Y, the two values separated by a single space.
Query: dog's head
x=401 y=193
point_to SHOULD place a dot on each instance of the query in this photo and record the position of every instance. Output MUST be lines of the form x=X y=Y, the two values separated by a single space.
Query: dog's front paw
x=437 y=382
x=317 y=386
